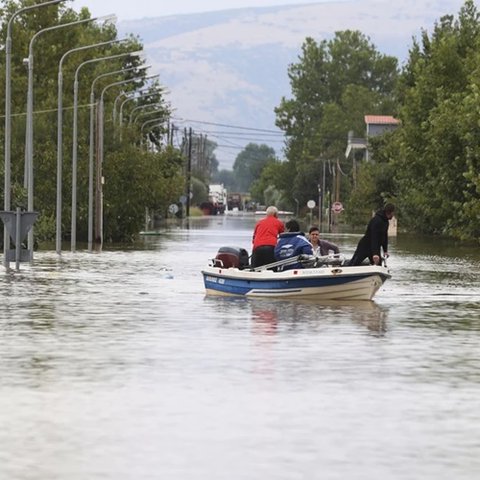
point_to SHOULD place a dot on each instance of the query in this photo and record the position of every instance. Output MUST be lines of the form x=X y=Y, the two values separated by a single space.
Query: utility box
x=18 y=224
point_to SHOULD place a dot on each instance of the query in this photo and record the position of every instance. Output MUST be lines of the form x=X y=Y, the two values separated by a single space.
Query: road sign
x=173 y=208
x=311 y=204
x=337 y=207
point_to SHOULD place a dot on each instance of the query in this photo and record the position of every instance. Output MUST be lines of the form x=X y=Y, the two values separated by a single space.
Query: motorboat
x=323 y=278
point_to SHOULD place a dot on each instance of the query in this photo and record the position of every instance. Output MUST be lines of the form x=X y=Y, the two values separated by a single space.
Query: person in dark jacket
x=375 y=238
x=291 y=244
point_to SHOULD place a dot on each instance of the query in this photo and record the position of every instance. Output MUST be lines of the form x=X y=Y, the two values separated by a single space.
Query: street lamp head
x=140 y=54
x=108 y=19
x=26 y=61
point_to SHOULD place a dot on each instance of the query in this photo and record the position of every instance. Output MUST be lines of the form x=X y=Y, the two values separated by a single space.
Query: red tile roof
x=381 y=120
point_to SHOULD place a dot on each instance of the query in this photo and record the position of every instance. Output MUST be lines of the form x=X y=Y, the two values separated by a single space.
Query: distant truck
x=235 y=201
x=217 y=199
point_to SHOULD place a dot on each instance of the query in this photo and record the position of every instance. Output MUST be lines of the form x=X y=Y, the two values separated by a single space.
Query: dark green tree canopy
x=334 y=84
x=249 y=164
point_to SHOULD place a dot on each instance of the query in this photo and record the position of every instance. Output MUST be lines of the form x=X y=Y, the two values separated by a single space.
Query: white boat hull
x=326 y=283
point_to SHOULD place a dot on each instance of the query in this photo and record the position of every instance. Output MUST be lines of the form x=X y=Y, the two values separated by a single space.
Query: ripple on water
x=116 y=365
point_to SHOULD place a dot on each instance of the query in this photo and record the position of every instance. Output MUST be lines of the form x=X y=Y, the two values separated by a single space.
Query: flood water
x=117 y=366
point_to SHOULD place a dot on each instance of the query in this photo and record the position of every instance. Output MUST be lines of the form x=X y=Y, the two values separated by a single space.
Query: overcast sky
x=134 y=9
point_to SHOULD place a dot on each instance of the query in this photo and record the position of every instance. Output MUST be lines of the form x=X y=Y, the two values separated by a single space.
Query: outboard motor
x=228 y=257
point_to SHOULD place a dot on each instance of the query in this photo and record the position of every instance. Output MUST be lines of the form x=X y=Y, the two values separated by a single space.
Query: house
x=375 y=125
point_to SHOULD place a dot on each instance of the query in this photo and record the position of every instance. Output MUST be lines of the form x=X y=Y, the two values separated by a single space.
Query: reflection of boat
x=326 y=278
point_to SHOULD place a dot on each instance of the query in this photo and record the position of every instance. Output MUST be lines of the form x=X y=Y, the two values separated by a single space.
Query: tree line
x=428 y=167
x=134 y=175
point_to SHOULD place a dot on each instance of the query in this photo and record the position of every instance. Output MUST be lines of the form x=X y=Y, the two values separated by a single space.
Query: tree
x=333 y=85
x=135 y=180
x=249 y=164
x=436 y=160
x=137 y=177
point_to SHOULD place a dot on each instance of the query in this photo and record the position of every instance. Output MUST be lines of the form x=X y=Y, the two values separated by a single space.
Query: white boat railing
x=307 y=261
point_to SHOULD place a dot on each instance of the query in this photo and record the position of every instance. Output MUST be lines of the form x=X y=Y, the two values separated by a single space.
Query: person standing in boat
x=265 y=238
x=320 y=247
x=291 y=244
x=375 y=239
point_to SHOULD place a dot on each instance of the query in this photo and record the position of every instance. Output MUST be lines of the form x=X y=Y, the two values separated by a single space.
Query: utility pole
x=98 y=185
x=337 y=187
x=189 y=172
x=323 y=195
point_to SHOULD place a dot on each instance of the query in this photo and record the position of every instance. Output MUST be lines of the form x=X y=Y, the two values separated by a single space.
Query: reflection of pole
x=189 y=172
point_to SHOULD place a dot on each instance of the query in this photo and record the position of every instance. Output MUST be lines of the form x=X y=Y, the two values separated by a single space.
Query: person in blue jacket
x=291 y=244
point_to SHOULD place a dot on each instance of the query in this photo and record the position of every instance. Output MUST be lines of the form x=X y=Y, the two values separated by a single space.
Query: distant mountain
x=230 y=67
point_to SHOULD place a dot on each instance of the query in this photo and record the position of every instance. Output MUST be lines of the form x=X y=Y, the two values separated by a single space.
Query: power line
x=228 y=126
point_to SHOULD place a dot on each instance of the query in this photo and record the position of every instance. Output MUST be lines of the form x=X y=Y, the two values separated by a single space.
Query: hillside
x=230 y=67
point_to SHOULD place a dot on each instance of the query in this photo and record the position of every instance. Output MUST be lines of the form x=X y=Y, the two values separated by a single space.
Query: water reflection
x=275 y=316
x=126 y=341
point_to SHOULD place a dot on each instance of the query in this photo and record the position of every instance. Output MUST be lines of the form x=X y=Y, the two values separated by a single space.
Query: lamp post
x=142 y=107
x=159 y=120
x=29 y=122
x=8 y=115
x=60 y=133
x=75 y=142
x=99 y=191
x=115 y=103
x=132 y=97
x=91 y=148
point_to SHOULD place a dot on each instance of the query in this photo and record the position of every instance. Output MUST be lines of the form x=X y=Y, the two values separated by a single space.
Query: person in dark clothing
x=291 y=244
x=375 y=238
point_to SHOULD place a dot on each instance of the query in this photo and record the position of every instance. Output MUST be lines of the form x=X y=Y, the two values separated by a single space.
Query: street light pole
x=75 y=141
x=148 y=93
x=29 y=123
x=159 y=120
x=91 y=149
x=143 y=107
x=99 y=191
x=8 y=116
x=60 y=133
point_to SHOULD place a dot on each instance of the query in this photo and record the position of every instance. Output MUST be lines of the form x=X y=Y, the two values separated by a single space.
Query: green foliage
x=270 y=187
x=226 y=177
x=45 y=228
x=435 y=165
x=135 y=179
x=199 y=191
x=334 y=84
x=249 y=164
